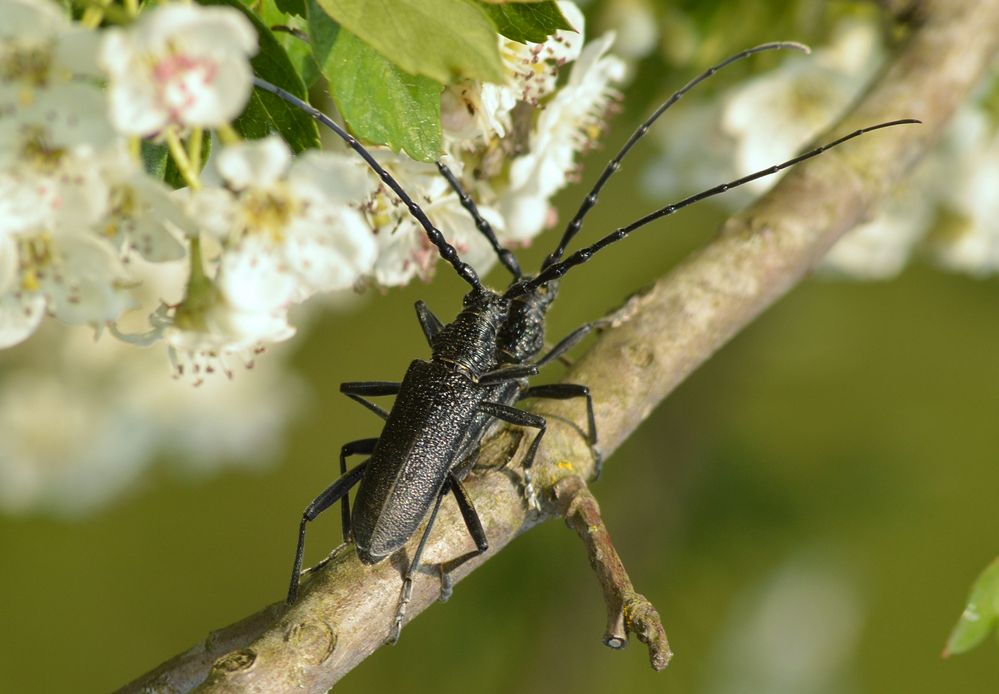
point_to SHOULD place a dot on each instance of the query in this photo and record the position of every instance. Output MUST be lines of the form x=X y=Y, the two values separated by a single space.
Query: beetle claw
x=400 y=613
x=532 y=496
x=447 y=585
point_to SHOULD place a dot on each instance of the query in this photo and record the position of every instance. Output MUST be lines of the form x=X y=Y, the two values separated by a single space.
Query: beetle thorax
x=469 y=341
x=522 y=336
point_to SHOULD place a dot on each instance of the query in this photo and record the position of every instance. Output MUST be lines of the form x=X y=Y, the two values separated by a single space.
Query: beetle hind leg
x=406 y=594
x=475 y=529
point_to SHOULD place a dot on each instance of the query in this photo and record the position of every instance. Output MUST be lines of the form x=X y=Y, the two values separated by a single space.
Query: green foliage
x=157 y=162
x=265 y=113
x=981 y=613
x=527 y=22
x=379 y=101
x=386 y=62
x=440 y=39
x=290 y=31
x=154 y=158
x=292 y=7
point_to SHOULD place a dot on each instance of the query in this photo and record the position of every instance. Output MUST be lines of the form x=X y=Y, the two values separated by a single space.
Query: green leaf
x=381 y=103
x=172 y=176
x=439 y=39
x=266 y=113
x=292 y=33
x=527 y=22
x=980 y=614
x=154 y=158
x=157 y=162
x=296 y=7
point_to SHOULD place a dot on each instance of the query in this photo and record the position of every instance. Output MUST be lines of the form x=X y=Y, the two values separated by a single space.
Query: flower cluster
x=945 y=209
x=260 y=232
x=91 y=234
x=510 y=155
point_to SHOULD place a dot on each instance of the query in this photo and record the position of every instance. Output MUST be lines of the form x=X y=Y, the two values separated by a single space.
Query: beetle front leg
x=429 y=323
x=567 y=343
x=525 y=419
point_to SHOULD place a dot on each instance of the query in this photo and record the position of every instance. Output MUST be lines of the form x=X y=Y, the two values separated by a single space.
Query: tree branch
x=347 y=609
x=627 y=610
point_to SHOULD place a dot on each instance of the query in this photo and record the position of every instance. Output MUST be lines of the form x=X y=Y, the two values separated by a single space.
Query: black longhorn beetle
x=479 y=368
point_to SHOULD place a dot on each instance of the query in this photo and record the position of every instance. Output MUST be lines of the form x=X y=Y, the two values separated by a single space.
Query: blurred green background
x=807 y=511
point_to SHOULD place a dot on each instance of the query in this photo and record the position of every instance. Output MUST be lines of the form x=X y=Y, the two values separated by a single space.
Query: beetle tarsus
x=405 y=595
x=447 y=585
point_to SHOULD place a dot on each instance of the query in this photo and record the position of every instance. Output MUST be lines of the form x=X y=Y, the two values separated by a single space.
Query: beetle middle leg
x=475 y=529
x=359 y=447
x=525 y=419
x=474 y=526
x=565 y=391
x=358 y=390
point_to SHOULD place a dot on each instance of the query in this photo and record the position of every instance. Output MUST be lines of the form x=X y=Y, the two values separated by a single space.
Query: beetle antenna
x=505 y=256
x=446 y=250
x=558 y=269
x=614 y=164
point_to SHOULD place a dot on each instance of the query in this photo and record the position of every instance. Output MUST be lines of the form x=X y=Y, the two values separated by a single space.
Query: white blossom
x=179 y=64
x=772 y=116
x=635 y=24
x=404 y=251
x=286 y=229
x=91 y=456
x=39 y=48
x=142 y=215
x=474 y=111
x=570 y=123
x=880 y=248
x=71 y=275
x=119 y=412
x=968 y=241
x=51 y=158
x=20 y=315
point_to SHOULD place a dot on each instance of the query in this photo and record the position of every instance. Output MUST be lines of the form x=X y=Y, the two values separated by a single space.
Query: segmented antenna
x=446 y=250
x=614 y=164
x=558 y=269
x=505 y=256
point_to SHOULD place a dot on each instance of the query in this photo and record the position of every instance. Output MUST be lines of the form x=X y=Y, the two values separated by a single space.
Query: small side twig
x=627 y=610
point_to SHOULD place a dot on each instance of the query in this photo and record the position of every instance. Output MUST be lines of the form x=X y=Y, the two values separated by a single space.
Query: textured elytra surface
x=417 y=447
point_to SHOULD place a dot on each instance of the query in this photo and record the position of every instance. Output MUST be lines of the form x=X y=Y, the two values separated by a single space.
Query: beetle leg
x=473 y=524
x=330 y=496
x=564 y=391
x=359 y=447
x=430 y=323
x=567 y=343
x=356 y=389
x=525 y=419
x=507 y=373
x=468 y=513
x=407 y=580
